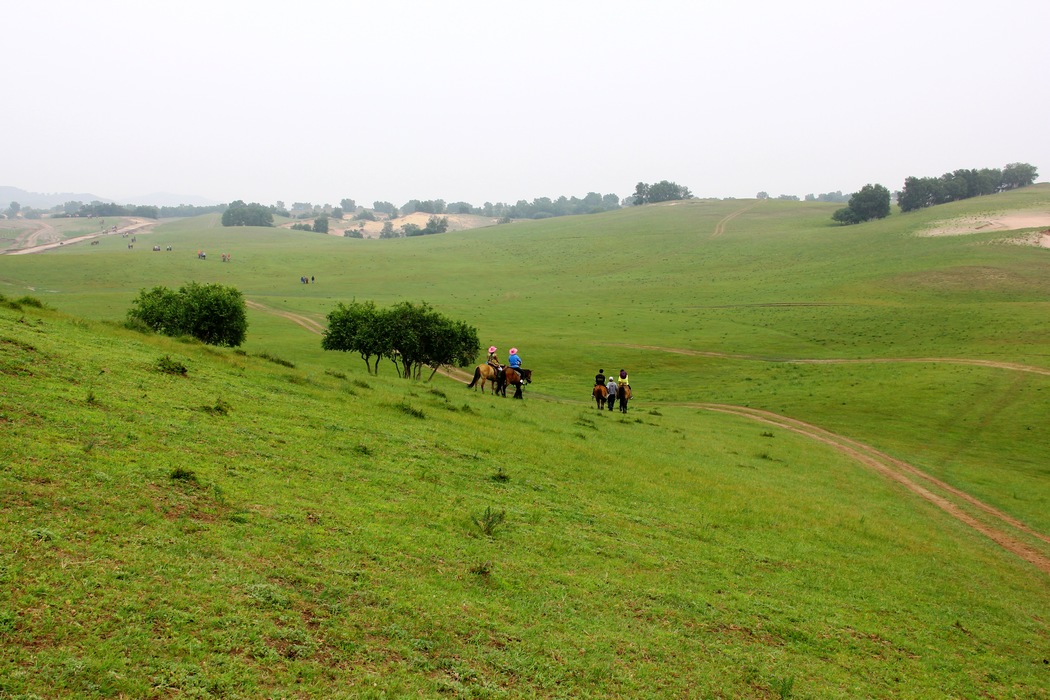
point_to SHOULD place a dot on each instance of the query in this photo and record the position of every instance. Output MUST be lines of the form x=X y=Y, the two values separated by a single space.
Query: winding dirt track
x=995 y=525
x=1013 y=366
x=985 y=519
x=720 y=227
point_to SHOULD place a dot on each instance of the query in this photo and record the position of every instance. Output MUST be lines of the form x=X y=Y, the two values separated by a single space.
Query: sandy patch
x=371 y=229
x=984 y=223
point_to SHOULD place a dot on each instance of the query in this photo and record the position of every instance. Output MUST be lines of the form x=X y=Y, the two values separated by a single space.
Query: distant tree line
x=240 y=214
x=74 y=209
x=539 y=208
x=920 y=192
x=212 y=313
x=873 y=201
x=662 y=191
x=836 y=196
x=409 y=335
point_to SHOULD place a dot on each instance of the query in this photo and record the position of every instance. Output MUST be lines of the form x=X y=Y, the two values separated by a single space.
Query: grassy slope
x=327 y=541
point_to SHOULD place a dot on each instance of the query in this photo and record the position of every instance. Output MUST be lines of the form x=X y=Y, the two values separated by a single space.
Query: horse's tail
x=477 y=376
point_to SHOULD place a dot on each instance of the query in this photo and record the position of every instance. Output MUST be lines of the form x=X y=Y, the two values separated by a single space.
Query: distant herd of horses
x=499 y=378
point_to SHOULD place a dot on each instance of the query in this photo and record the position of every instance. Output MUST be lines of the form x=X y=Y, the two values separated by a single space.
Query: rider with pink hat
x=493 y=359
x=514 y=360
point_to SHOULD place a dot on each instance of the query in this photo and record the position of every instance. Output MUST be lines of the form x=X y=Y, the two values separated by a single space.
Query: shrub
x=180 y=474
x=31 y=301
x=169 y=366
x=276 y=360
x=212 y=313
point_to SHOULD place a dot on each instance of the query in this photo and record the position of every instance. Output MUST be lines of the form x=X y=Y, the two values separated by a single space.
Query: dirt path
x=720 y=227
x=136 y=226
x=298 y=319
x=949 y=499
x=1013 y=366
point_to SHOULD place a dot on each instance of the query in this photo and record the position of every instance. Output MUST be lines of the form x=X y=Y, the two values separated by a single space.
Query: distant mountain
x=37 y=200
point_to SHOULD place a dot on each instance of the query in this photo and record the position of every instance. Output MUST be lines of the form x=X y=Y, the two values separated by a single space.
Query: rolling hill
x=832 y=482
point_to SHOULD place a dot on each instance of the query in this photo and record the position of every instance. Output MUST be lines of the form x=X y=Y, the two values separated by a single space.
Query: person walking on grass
x=611 y=387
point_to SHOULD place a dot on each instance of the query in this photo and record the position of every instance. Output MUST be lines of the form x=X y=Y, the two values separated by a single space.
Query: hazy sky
x=495 y=101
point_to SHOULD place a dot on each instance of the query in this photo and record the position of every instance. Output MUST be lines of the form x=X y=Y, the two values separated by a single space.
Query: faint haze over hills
x=41 y=200
x=47 y=200
x=485 y=101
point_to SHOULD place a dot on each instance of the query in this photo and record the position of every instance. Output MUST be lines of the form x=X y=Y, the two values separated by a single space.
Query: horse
x=517 y=377
x=487 y=373
x=600 y=395
x=625 y=396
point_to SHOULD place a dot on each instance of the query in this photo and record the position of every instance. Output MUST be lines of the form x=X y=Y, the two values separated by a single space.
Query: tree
x=354 y=327
x=385 y=208
x=337 y=213
x=762 y=195
x=241 y=214
x=871 y=202
x=13 y=209
x=212 y=313
x=436 y=224
x=347 y=204
x=388 y=230
x=411 y=336
x=321 y=224
x=411 y=229
x=1018 y=175
x=663 y=191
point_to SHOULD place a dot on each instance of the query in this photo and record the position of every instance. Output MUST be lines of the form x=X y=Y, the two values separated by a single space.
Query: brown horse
x=625 y=396
x=517 y=377
x=600 y=394
x=487 y=373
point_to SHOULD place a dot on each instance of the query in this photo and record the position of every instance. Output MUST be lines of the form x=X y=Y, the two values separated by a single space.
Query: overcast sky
x=496 y=101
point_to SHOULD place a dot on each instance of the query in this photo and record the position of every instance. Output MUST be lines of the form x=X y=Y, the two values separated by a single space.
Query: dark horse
x=488 y=373
x=625 y=396
x=517 y=377
x=600 y=394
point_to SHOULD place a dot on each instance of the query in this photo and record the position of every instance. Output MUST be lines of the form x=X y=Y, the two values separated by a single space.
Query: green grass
x=250 y=529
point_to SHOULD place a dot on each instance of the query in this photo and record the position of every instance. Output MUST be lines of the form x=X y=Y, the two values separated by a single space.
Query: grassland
x=257 y=530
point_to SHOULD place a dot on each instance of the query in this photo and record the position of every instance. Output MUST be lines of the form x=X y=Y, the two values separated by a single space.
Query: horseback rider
x=600 y=377
x=514 y=362
x=493 y=360
x=622 y=381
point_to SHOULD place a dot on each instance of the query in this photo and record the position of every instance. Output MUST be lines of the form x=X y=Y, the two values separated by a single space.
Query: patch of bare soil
x=30 y=243
x=372 y=229
x=983 y=223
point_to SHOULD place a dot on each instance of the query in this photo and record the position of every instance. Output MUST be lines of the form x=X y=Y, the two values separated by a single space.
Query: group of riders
x=616 y=386
x=513 y=361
